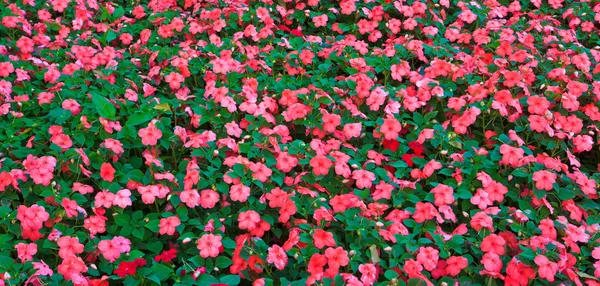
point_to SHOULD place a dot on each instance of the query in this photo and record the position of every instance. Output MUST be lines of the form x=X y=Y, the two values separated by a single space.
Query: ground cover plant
x=284 y=142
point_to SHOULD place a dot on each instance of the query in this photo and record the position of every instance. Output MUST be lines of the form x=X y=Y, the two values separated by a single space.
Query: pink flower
x=428 y=257
x=260 y=171
x=150 y=135
x=208 y=198
x=320 y=165
x=363 y=178
x=320 y=21
x=493 y=243
x=455 y=264
x=70 y=207
x=174 y=79
x=107 y=172
x=72 y=266
x=168 y=225
x=233 y=129
x=277 y=256
x=109 y=250
x=323 y=238
x=69 y=246
x=352 y=130
x=209 y=245
x=122 y=198
x=190 y=197
x=286 y=162
x=369 y=273
x=25 y=252
x=544 y=180
x=492 y=262
x=239 y=193
x=547 y=269
x=248 y=220
x=443 y=195
x=390 y=128
x=336 y=257
x=104 y=199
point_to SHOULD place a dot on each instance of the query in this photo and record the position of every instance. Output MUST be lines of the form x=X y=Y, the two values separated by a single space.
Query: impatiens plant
x=299 y=142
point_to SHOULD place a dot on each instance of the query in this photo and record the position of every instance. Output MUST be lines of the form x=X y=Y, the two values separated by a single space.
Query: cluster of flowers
x=299 y=142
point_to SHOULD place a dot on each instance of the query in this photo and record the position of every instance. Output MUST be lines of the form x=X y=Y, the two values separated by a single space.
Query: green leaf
x=416 y=282
x=206 y=279
x=138 y=118
x=104 y=107
x=6 y=262
x=162 y=272
x=230 y=279
x=223 y=262
x=122 y=220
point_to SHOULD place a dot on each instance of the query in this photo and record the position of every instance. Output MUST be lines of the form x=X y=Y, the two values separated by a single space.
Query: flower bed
x=205 y=142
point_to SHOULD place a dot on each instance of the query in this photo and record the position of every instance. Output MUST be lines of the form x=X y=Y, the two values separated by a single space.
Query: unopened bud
x=387 y=249
x=379 y=224
x=186 y=240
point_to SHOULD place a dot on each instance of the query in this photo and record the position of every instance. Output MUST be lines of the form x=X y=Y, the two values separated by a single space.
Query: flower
x=323 y=238
x=544 y=180
x=336 y=257
x=129 y=267
x=455 y=264
x=168 y=225
x=150 y=135
x=209 y=245
x=277 y=256
x=320 y=165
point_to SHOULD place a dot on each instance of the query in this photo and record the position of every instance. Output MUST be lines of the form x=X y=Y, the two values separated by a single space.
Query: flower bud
x=186 y=240
x=387 y=249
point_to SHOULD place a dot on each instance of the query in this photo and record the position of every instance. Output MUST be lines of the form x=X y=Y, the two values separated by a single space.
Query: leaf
x=104 y=107
x=230 y=279
x=586 y=276
x=121 y=220
x=161 y=271
x=138 y=118
x=6 y=262
x=416 y=282
x=223 y=262
x=206 y=279
x=390 y=274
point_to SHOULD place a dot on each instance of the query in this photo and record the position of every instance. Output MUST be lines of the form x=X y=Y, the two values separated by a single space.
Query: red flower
x=129 y=267
x=416 y=147
x=391 y=145
x=166 y=255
